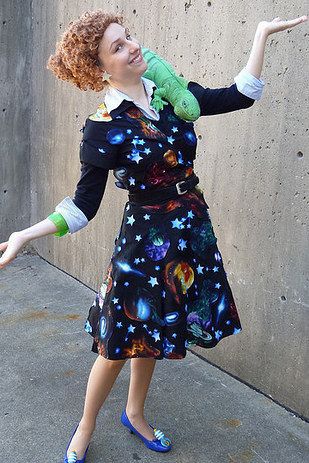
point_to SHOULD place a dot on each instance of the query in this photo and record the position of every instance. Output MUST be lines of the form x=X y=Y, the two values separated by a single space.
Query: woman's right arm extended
x=85 y=204
x=18 y=239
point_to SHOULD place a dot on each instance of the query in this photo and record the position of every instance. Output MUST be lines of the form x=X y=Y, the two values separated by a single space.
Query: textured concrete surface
x=15 y=120
x=252 y=166
x=210 y=416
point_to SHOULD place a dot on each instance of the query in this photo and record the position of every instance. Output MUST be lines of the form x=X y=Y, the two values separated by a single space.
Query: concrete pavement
x=45 y=361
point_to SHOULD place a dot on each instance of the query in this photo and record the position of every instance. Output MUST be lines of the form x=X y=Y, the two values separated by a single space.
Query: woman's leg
x=101 y=379
x=141 y=374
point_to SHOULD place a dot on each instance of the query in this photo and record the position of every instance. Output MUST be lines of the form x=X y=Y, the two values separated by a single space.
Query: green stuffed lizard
x=171 y=87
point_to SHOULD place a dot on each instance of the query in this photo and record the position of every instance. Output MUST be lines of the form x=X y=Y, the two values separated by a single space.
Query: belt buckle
x=178 y=188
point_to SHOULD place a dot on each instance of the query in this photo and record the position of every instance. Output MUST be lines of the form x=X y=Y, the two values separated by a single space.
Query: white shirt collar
x=114 y=97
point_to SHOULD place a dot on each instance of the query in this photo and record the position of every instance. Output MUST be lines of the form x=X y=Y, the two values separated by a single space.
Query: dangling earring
x=106 y=75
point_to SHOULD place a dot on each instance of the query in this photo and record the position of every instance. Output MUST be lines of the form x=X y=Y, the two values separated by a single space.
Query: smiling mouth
x=137 y=59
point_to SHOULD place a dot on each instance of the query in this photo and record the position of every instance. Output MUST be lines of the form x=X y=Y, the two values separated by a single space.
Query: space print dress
x=165 y=287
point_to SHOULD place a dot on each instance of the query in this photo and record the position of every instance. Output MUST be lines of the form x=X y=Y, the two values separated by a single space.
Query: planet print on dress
x=157 y=244
x=170 y=158
x=179 y=276
x=158 y=174
x=201 y=307
x=106 y=285
x=127 y=268
x=115 y=136
x=146 y=126
x=190 y=138
x=103 y=327
x=140 y=348
x=203 y=237
x=199 y=334
x=101 y=115
x=141 y=306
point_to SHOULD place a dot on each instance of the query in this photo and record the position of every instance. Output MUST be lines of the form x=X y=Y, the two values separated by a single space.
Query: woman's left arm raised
x=248 y=86
x=264 y=29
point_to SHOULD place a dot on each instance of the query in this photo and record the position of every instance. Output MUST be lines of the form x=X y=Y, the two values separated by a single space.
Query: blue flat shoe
x=72 y=457
x=160 y=444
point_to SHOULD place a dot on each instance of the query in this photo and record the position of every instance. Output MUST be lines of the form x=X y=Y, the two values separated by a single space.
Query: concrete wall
x=15 y=110
x=252 y=164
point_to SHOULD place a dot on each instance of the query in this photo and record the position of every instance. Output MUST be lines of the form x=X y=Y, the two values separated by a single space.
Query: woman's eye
x=128 y=36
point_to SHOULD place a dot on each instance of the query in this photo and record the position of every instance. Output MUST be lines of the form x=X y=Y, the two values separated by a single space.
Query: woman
x=165 y=287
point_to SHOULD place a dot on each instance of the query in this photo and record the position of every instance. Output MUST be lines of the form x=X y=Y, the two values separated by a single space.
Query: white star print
x=119 y=325
x=132 y=180
x=176 y=223
x=147 y=150
x=131 y=220
x=163 y=293
x=115 y=300
x=153 y=281
x=156 y=335
x=142 y=187
x=136 y=157
x=146 y=217
x=142 y=259
x=170 y=140
x=174 y=129
x=174 y=335
x=182 y=244
x=136 y=260
x=217 y=285
x=101 y=150
x=126 y=283
x=199 y=269
x=138 y=237
x=190 y=215
x=216 y=269
x=131 y=329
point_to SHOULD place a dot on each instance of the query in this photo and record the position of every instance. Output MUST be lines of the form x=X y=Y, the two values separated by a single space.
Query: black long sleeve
x=219 y=100
x=90 y=189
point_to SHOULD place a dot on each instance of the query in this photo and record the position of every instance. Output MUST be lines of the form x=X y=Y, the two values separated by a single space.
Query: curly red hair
x=76 y=56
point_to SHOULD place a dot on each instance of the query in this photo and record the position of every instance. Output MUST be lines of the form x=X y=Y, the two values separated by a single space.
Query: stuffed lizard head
x=170 y=87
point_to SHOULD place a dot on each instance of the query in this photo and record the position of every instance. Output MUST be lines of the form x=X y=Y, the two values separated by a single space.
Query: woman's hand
x=12 y=247
x=278 y=24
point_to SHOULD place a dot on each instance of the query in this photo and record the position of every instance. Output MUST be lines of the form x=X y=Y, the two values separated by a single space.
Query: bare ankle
x=87 y=425
x=134 y=414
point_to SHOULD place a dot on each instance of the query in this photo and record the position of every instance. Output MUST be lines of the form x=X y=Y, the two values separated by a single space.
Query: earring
x=105 y=75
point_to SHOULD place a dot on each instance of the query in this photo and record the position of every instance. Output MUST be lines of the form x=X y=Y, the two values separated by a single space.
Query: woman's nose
x=134 y=47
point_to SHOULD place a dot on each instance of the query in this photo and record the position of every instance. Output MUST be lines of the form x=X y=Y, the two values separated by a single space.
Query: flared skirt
x=165 y=287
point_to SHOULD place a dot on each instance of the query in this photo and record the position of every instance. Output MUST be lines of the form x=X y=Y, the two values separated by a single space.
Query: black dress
x=165 y=287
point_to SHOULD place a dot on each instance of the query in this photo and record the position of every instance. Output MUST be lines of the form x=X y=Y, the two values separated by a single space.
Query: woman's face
x=120 y=54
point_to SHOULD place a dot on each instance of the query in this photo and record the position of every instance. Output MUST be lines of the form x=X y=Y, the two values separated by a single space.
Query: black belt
x=165 y=193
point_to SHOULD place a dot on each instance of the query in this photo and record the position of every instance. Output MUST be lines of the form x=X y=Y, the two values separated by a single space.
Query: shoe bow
x=72 y=457
x=165 y=441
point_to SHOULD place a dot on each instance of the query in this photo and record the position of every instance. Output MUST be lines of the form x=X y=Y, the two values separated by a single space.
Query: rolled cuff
x=73 y=216
x=249 y=85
